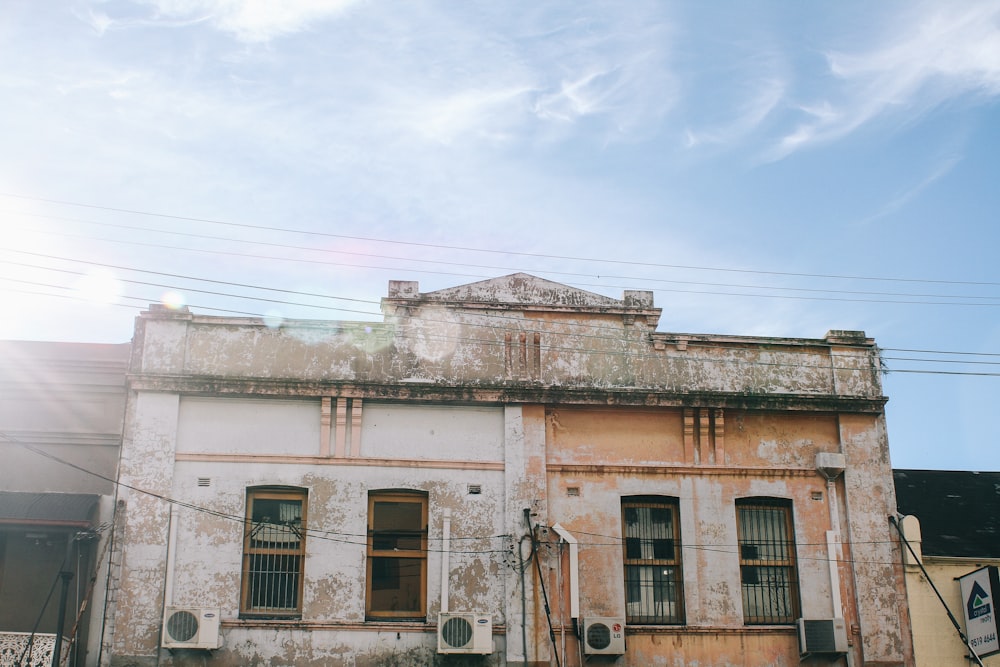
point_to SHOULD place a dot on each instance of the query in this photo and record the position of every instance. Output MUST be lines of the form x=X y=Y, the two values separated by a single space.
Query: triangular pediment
x=522 y=289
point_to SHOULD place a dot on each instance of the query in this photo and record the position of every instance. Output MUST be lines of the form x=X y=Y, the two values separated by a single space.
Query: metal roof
x=69 y=509
x=959 y=511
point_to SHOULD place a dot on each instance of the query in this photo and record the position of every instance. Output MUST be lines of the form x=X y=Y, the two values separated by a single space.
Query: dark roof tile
x=959 y=511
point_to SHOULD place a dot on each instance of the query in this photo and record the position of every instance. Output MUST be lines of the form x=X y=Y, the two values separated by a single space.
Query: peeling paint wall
x=511 y=414
x=591 y=472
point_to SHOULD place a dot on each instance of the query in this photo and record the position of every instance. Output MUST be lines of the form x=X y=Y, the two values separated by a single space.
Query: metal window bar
x=653 y=586
x=767 y=563
x=275 y=547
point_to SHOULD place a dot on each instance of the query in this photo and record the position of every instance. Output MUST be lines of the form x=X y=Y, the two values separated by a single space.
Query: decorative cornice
x=407 y=390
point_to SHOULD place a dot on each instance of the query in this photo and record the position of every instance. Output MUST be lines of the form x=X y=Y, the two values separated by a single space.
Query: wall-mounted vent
x=204 y=481
x=475 y=489
x=572 y=490
x=827 y=635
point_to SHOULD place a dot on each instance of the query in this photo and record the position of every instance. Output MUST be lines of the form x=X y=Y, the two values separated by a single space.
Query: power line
x=340 y=309
x=289 y=303
x=488 y=250
x=350 y=538
x=501 y=344
x=978 y=354
x=489 y=267
x=172 y=275
x=989 y=304
x=268 y=289
x=941 y=361
x=638 y=356
x=188 y=289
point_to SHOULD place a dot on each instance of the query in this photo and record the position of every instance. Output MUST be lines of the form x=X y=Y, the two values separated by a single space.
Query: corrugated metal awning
x=55 y=509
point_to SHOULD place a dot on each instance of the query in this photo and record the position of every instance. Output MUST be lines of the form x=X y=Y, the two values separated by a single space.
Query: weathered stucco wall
x=475 y=349
x=512 y=415
x=219 y=447
x=590 y=475
x=870 y=499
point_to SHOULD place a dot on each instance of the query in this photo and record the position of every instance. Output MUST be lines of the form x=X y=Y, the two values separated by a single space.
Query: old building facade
x=562 y=480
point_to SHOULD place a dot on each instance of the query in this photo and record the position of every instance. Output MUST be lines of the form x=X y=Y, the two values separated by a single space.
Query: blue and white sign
x=980 y=595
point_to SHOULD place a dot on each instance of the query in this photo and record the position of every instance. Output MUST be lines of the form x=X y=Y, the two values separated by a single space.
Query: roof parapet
x=848 y=337
x=525 y=292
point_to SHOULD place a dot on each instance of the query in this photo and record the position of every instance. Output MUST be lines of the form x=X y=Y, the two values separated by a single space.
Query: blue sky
x=768 y=168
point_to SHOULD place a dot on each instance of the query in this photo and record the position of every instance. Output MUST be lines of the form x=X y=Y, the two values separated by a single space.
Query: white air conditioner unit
x=465 y=633
x=827 y=635
x=191 y=627
x=604 y=636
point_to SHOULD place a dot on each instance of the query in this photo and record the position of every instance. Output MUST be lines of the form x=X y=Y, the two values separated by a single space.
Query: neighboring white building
x=952 y=520
x=535 y=459
x=61 y=412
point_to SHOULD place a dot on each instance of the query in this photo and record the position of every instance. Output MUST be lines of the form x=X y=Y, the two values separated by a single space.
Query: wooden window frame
x=254 y=494
x=752 y=563
x=669 y=566
x=419 y=555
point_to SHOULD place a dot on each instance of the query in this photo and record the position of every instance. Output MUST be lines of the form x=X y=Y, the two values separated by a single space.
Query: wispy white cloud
x=102 y=22
x=255 y=20
x=903 y=198
x=582 y=96
x=748 y=116
x=936 y=53
x=453 y=79
x=468 y=114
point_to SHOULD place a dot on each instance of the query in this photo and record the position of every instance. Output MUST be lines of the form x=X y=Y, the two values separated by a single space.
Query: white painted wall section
x=248 y=426
x=455 y=433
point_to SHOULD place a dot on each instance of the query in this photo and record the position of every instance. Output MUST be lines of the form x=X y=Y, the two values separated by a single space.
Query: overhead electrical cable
x=485 y=250
x=993 y=303
x=519 y=320
x=500 y=343
x=360 y=539
x=481 y=266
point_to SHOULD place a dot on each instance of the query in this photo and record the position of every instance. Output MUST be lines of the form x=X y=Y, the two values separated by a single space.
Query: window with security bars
x=397 y=555
x=274 y=547
x=767 y=561
x=654 y=592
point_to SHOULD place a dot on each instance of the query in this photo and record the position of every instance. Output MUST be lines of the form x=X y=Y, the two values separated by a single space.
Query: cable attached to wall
x=951 y=617
x=541 y=583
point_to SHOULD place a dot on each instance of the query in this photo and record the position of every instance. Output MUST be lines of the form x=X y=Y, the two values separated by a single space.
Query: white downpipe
x=445 y=560
x=834 y=556
x=833 y=549
x=168 y=585
x=574 y=570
